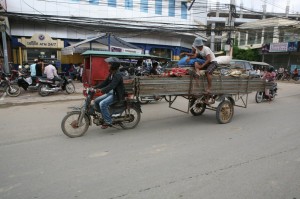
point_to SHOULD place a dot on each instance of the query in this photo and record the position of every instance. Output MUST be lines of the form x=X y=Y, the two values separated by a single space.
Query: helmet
x=112 y=59
x=115 y=63
x=271 y=69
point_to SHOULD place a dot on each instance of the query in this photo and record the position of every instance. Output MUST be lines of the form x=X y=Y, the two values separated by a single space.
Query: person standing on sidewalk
x=39 y=68
x=33 y=71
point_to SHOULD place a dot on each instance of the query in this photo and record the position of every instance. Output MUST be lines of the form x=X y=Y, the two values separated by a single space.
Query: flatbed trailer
x=226 y=90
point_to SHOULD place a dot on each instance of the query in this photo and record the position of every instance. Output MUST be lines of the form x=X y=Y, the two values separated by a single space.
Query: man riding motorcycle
x=112 y=88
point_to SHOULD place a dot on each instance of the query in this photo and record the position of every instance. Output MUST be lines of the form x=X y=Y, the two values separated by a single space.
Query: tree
x=248 y=54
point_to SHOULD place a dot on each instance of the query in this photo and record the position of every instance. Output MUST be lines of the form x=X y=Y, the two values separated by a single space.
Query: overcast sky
x=272 y=5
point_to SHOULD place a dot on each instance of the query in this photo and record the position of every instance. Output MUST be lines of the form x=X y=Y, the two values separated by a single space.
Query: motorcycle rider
x=51 y=73
x=112 y=88
x=269 y=76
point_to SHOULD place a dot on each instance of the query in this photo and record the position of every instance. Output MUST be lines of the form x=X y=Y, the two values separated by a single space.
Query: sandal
x=105 y=126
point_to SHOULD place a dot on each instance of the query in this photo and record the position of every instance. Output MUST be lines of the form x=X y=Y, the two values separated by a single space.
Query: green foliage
x=249 y=54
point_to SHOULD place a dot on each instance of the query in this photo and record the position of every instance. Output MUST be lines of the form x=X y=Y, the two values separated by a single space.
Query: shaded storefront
x=39 y=46
x=281 y=54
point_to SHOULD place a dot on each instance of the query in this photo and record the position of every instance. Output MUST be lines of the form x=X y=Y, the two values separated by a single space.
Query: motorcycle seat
x=118 y=103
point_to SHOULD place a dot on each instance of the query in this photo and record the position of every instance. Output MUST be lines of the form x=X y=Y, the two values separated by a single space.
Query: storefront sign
x=42 y=41
x=278 y=47
x=125 y=50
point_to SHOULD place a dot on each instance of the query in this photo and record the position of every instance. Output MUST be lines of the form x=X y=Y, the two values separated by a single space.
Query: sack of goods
x=183 y=61
x=223 y=59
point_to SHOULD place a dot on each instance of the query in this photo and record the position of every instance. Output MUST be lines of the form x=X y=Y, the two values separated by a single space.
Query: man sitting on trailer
x=112 y=88
x=210 y=63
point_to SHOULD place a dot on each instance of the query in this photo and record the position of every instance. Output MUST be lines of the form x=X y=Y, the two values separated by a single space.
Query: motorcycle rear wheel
x=70 y=88
x=69 y=125
x=259 y=97
x=198 y=108
x=133 y=118
x=13 y=90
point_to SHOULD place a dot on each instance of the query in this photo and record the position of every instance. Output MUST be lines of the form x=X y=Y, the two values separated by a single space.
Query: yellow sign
x=42 y=41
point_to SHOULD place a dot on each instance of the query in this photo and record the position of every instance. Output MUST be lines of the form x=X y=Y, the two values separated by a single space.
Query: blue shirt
x=32 y=70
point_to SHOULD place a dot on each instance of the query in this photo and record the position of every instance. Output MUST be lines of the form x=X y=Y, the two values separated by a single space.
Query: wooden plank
x=181 y=85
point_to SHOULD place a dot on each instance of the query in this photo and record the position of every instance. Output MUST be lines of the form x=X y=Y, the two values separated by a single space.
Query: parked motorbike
x=48 y=86
x=126 y=114
x=9 y=85
x=25 y=81
x=261 y=95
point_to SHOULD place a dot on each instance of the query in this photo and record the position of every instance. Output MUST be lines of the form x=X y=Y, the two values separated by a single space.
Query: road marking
x=3 y=96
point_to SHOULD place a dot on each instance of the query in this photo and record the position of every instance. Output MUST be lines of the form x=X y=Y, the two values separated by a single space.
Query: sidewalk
x=28 y=97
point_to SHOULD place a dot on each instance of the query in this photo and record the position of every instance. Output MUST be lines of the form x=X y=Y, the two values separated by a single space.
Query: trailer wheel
x=197 y=107
x=224 y=112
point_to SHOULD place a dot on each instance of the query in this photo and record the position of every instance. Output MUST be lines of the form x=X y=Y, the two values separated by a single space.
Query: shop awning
x=82 y=46
x=101 y=43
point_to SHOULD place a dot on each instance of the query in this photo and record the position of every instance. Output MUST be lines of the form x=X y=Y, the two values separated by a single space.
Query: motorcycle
x=9 y=85
x=25 y=81
x=48 y=86
x=126 y=113
x=261 y=95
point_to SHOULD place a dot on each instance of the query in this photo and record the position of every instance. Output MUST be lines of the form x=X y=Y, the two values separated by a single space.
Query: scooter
x=48 y=86
x=261 y=95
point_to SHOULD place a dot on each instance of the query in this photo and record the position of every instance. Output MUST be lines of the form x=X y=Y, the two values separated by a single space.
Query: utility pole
x=232 y=14
x=5 y=54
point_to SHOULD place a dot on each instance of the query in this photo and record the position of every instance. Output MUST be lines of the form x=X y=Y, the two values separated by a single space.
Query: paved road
x=169 y=155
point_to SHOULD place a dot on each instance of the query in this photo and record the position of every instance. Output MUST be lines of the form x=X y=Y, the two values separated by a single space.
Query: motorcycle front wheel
x=259 y=97
x=70 y=127
x=131 y=118
x=13 y=90
x=70 y=88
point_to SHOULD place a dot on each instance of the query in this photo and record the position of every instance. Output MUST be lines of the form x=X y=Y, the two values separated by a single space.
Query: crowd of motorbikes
x=11 y=83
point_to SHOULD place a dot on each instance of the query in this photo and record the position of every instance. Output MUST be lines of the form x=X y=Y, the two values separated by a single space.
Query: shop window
x=44 y=54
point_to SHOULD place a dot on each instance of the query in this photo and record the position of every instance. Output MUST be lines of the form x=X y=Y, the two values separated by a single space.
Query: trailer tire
x=224 y=112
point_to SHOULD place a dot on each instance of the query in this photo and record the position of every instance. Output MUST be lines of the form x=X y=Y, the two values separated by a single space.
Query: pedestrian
x=210 y=63
x=113 y=91
x=33 y=72
x=39 y=68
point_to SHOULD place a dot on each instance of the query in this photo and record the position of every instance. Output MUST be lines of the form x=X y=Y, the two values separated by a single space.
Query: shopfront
x=39 y=46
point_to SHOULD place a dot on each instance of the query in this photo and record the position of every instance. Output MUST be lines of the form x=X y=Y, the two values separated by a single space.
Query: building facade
x=42 y=28
x=274 y=34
